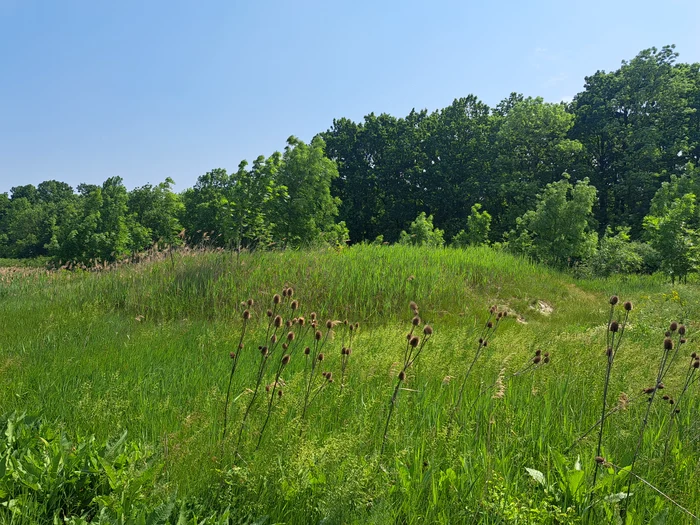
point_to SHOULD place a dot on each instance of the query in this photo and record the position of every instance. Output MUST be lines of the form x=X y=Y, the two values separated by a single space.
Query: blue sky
x=150 y=89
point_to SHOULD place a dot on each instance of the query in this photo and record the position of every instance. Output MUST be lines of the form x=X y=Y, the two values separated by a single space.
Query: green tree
x=154 y=215
x=422 y=233
x=478 y=227
x=559 y=230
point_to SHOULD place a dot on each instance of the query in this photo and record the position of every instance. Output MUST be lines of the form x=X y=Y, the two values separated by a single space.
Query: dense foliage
x=479 y=172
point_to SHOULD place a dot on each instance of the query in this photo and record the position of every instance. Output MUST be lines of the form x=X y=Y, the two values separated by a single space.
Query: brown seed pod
x=673 y=327
x=329 y=376
x=295 y=304
x=301 y=321
x=665 y=398
x=415 y=321
x=628 y=306
x=232 y=355
x=668 y=344
x=546 y=359
x=536 y=360
x=285 y=346
x=269 y=313
x=402 y=375
x=264 y=351
x=609 y=351
x=291 y=336
x=288 y=323
x=318 y=335
x=320 y=356
x=278 y=321
x=290 y=291
x=681 y=329
x=693 y=355
x=614 y=326
x=279 y=393
x=250 y=302
x=329 y=324
x=538 y=352
x=285 y=359
x=600 y=460
x=667 y=334
x=414 y=341
x=614 y=300
x=246 y=315
x=276 y=299
x=696 y=364
x=489 y=325
x=348 y=351
x=428 y=330
x=273 y=339
x=307 y=350
x=313 y=316
x=481 y=340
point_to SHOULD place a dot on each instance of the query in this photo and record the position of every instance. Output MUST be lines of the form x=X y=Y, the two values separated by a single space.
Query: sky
x=152 y=89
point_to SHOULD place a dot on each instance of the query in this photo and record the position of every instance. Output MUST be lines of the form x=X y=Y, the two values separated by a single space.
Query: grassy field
x=146 y=349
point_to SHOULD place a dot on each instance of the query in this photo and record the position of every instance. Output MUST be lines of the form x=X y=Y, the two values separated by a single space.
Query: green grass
x=145 y=349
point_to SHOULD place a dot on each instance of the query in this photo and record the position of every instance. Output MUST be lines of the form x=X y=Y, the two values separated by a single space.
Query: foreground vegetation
x=123 y=376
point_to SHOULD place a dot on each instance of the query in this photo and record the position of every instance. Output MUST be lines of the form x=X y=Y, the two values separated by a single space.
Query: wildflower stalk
x=235 y=356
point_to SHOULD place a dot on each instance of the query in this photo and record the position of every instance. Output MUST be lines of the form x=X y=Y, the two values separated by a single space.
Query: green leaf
x=615 y=498
x=538 y=476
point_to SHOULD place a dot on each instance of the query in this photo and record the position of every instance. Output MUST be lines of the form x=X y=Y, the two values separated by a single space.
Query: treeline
x=617 y=164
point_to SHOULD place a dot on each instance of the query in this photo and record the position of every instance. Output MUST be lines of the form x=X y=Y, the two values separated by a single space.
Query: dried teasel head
x=414 y=341
x=600 y=460
x=288 y=323
x=428 y=330
x=402 y=375
x=285 y=346
x=269 y=313
x=320 y=356
x=681 y=329
x=264 y=351
x=291 y=336
x=246 y=315
x=295 y=304
x=628 y=306
x=668 y=344
x=614 y=300
x=614 y=326
x=312 y=316
x=301 y=321
x=696 y=363
x=673 y=327
x=536 y=360
x=278 y=321
x=290 y=291
x=285 y=359
x=250 y=302
x=415 y=321
x=232 y=355
x=318 y=335
x=273 y=339
x=329 y=324
x=307 y=350
x=489 y=324
x=538 y=352
x=276 y=299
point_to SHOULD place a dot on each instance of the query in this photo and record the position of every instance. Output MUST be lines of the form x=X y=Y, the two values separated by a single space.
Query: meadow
x=113 y=388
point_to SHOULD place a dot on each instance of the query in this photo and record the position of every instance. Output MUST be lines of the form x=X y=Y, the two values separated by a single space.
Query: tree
x=478 y=227
x=422 y=233
x=154 y=215
x=559 y=230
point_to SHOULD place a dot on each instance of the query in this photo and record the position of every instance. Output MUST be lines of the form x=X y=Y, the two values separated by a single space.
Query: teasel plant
x=690 y=378
x=414 y=347
x=487 y=333
x=664 y=365
x=266 y=350
x=613 y=339
x=289 y=346
x=316 y=357
x=235 y=356
x=346 y=351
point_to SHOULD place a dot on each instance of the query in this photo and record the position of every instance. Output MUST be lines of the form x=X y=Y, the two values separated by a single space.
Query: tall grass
x=146 y=349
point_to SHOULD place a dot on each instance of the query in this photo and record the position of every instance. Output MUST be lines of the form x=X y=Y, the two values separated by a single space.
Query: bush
x=423 y=233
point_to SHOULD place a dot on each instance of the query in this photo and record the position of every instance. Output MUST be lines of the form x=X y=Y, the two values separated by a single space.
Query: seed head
x=667 y=334
x=279 y=393
x=285 y=346
x=628 y=306
x=609 y=351
x=307 y=350
x=416 y=321
x=313 y=316
x=329 y=376
x=269 y=313
x=285 y=359
x=273 y=339
x=536 y=360
x=251 y=302
x=428 y=330
x=276 y=298
x=673 y=327
x=240 y=346
x=318 y=335
x=681 y=329
x=414 y=341
x=295 y=304
x=481 y=340
x=290 y=336
x=696 y=363
x=343 y=350
x=246 y=315
x=288 y=323
x=668 y=344
x=278 y=321
x=402 y=375
x=320 y=356
x=348 y=351
x=671 y=401
x=485 y=344
x=264 y=351
x=600 y=460
x=546 y=359
x=660 y=386
x=301 y=321
x=233 y=355
x=489 y=325
x=538 y=352
x=614 y=326
x=665 y=398
x=682 y=340
x=357 y=325
x=329 y=324
x=693 y=355
x=614 y=300
x=413 y=306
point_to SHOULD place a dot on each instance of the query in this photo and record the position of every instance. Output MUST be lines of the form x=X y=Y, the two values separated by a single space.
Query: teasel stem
x=233 y=371
x=273 y=391
x=662 y=365
x=312 y=376
x=264 y=358
x=611 y=350
x=344 y=359
x=486 y=334
x=409 y=359
x=674 y=408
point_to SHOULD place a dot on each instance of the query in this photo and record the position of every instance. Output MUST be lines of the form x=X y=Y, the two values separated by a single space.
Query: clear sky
x=148 y=89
